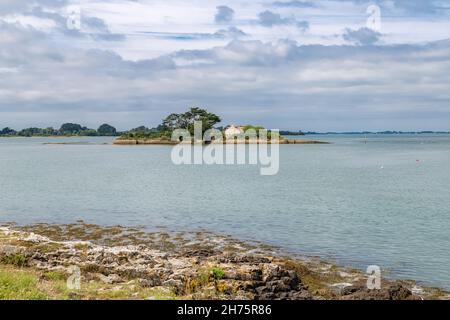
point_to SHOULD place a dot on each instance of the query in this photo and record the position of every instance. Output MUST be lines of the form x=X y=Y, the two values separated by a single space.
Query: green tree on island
x=8 y=131
x=106 y=130
x=71 y=129
x=186 y=120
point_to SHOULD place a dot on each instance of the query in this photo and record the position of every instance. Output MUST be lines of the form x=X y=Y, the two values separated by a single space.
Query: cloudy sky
x=311 y=65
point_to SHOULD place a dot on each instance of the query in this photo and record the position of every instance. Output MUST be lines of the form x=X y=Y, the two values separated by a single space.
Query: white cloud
x=167 y=60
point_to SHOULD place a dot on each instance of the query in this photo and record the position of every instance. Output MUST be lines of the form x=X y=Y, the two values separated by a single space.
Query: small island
x=237 y=134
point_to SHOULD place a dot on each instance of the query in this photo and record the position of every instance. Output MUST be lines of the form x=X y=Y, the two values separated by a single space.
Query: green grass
x=19 y=285
x=54 y=276
x=130 y=291
x=29 y=284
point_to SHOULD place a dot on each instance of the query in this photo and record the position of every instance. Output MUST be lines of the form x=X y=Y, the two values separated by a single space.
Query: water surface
x=380 y=200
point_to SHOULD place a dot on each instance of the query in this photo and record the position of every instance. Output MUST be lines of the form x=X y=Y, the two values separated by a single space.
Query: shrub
x=16 y=259
x=217 y=273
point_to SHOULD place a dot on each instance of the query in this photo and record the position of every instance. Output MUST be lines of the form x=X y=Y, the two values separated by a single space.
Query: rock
x=271 y=272
x=35 y=238
x=256 y=274
x=9 y=250
x=248 y=273
x=244 y=274
x=391 y=292
x=338 y=288
x=133 y=271
x=177 y=285
x=301 y=295
x=117 y=288
x=150 y=282
x=241 y=258
x=399 y=292
x=202 y=253
x=172 y=283
x=110 y=279
x=279 y=283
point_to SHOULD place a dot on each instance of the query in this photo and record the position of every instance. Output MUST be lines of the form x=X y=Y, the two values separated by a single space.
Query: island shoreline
x=169 y=142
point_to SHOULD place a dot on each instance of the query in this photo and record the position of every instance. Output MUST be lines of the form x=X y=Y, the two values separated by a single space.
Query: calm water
x=384 y=202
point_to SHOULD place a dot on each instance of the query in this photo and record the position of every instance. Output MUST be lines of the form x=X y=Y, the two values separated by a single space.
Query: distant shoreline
x=288 y=134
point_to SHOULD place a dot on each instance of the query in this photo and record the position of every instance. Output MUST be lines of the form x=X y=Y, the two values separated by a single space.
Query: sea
x=362 y=200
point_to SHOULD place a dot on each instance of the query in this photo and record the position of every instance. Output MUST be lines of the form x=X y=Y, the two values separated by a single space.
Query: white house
x=233 y=131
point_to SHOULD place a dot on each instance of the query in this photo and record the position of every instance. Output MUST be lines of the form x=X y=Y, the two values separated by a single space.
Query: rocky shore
x=128 y=263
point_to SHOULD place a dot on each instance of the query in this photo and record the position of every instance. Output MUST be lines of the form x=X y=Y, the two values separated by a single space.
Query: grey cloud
x=39 y=12
x=294 y=4
x=362 y=36
x=269 y=19
x=303 y=25
x=224 y=14
x=99 y=30
x=231 y=32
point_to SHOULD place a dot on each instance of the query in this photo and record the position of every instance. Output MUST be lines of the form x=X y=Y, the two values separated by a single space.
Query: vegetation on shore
x=163 y=132
x=174 y=121
x=24 y=283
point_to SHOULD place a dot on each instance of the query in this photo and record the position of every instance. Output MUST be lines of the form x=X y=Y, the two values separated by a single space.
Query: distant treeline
x=73 y=129
x=291 y=133
x=164 y=130
x=67 y=129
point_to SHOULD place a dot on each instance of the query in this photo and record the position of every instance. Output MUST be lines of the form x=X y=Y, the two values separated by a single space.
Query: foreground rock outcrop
x=189 y=266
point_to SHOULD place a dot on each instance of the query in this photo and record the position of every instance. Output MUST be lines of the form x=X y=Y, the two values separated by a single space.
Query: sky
x=342 y=65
